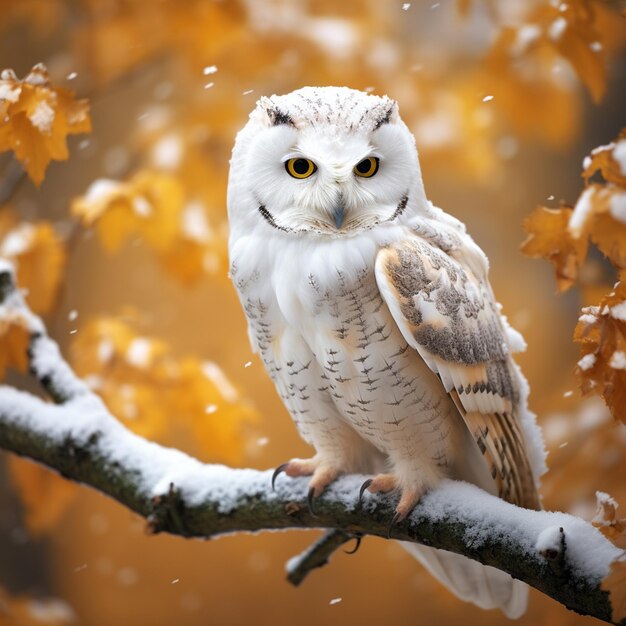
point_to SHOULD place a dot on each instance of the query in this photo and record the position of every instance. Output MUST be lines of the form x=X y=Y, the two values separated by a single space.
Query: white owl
x=373 y=314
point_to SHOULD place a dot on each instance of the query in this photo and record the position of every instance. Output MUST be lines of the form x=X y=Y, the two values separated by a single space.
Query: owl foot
x=408 y=501
x=321 y=476
x=383 y=483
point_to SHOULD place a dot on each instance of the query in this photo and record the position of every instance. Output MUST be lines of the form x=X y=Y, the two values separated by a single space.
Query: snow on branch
x=561 y=555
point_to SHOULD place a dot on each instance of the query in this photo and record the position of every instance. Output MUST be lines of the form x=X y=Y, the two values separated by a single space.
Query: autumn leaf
x=14 y=341
x=39 y=256
x=146 y=387
x=561 y=236
x=152 y=205
x=550 y=239
x=117 y=364
x=614 y=530
x=213 y=409
x=600 y=214
x=573 y=31
x=609 y=160
x=607 y=522
x=44 y=494
x=148 y=205
x=601 y=331
x=37 y=119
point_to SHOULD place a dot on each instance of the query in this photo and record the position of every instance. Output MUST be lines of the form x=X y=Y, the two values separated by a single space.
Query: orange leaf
x=152 y=205
x=39 y=255
x=576 y=44
x=146 y=387
x=609 y=160
x=44 y=494
x=610 y=237
x=38 y=118
x=607 y=522
x=213 y=409
x=601 y=330
x=148 y=205
x=550 y=239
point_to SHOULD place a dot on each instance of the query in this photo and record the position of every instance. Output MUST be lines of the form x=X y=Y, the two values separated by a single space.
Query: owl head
x=323 y=161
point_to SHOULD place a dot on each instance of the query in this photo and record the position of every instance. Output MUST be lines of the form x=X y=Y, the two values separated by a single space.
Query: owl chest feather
x=331 y=346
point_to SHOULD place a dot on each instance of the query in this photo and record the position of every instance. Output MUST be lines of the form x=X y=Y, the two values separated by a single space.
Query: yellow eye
x=367 y=167
x=300 y=168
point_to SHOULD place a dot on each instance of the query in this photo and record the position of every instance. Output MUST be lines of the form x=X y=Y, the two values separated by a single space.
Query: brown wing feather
x=450 y=318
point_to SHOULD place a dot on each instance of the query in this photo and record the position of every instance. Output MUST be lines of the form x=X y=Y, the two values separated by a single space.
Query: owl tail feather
x=484 y=586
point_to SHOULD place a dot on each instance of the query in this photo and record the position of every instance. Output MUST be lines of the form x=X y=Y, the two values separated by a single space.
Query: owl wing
x=448 y=314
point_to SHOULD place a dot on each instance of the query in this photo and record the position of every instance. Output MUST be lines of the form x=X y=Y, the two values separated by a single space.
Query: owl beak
x=340 y=215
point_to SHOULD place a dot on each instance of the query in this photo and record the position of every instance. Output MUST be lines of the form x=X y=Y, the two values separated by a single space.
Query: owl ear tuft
x=389 y=114
x=272 y=115
x=278 y=117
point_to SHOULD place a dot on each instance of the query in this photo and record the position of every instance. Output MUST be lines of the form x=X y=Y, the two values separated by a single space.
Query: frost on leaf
x=601 y=331
x=39 y=256
x=549 y=238
x=561 y=236
x=148 y=388
x=14 y=341
x=37 y=118
x=607 y=522
x=609 y=160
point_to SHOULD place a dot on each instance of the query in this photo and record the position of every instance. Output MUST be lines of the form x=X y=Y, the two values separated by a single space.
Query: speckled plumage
x=379 y=330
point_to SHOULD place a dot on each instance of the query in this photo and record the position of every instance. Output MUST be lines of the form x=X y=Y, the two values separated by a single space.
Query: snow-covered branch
x=563 y=556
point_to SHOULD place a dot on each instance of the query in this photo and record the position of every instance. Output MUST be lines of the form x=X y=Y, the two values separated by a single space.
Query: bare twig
x=317 y=555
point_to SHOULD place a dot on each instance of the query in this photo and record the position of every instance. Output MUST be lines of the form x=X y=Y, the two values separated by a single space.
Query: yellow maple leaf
x=37 y=119
x=601 y=331
x=550 y=239
x=39 y=256
x=14 y=342
x=44 y=494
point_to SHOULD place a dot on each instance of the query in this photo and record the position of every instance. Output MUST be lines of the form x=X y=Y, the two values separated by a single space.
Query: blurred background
x=125 y=243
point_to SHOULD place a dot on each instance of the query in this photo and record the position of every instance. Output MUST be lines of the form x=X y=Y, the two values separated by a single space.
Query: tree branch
x=318 y=555
x=561 y=555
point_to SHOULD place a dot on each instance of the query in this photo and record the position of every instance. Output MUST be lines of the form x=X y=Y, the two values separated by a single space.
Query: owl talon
x=279 y=470
x=358 y=539
x=364 y=486
x=309 y=501
x=397 y=517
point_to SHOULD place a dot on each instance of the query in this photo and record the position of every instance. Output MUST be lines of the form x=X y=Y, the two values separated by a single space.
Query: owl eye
x=367 y=167
x=300 y=168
